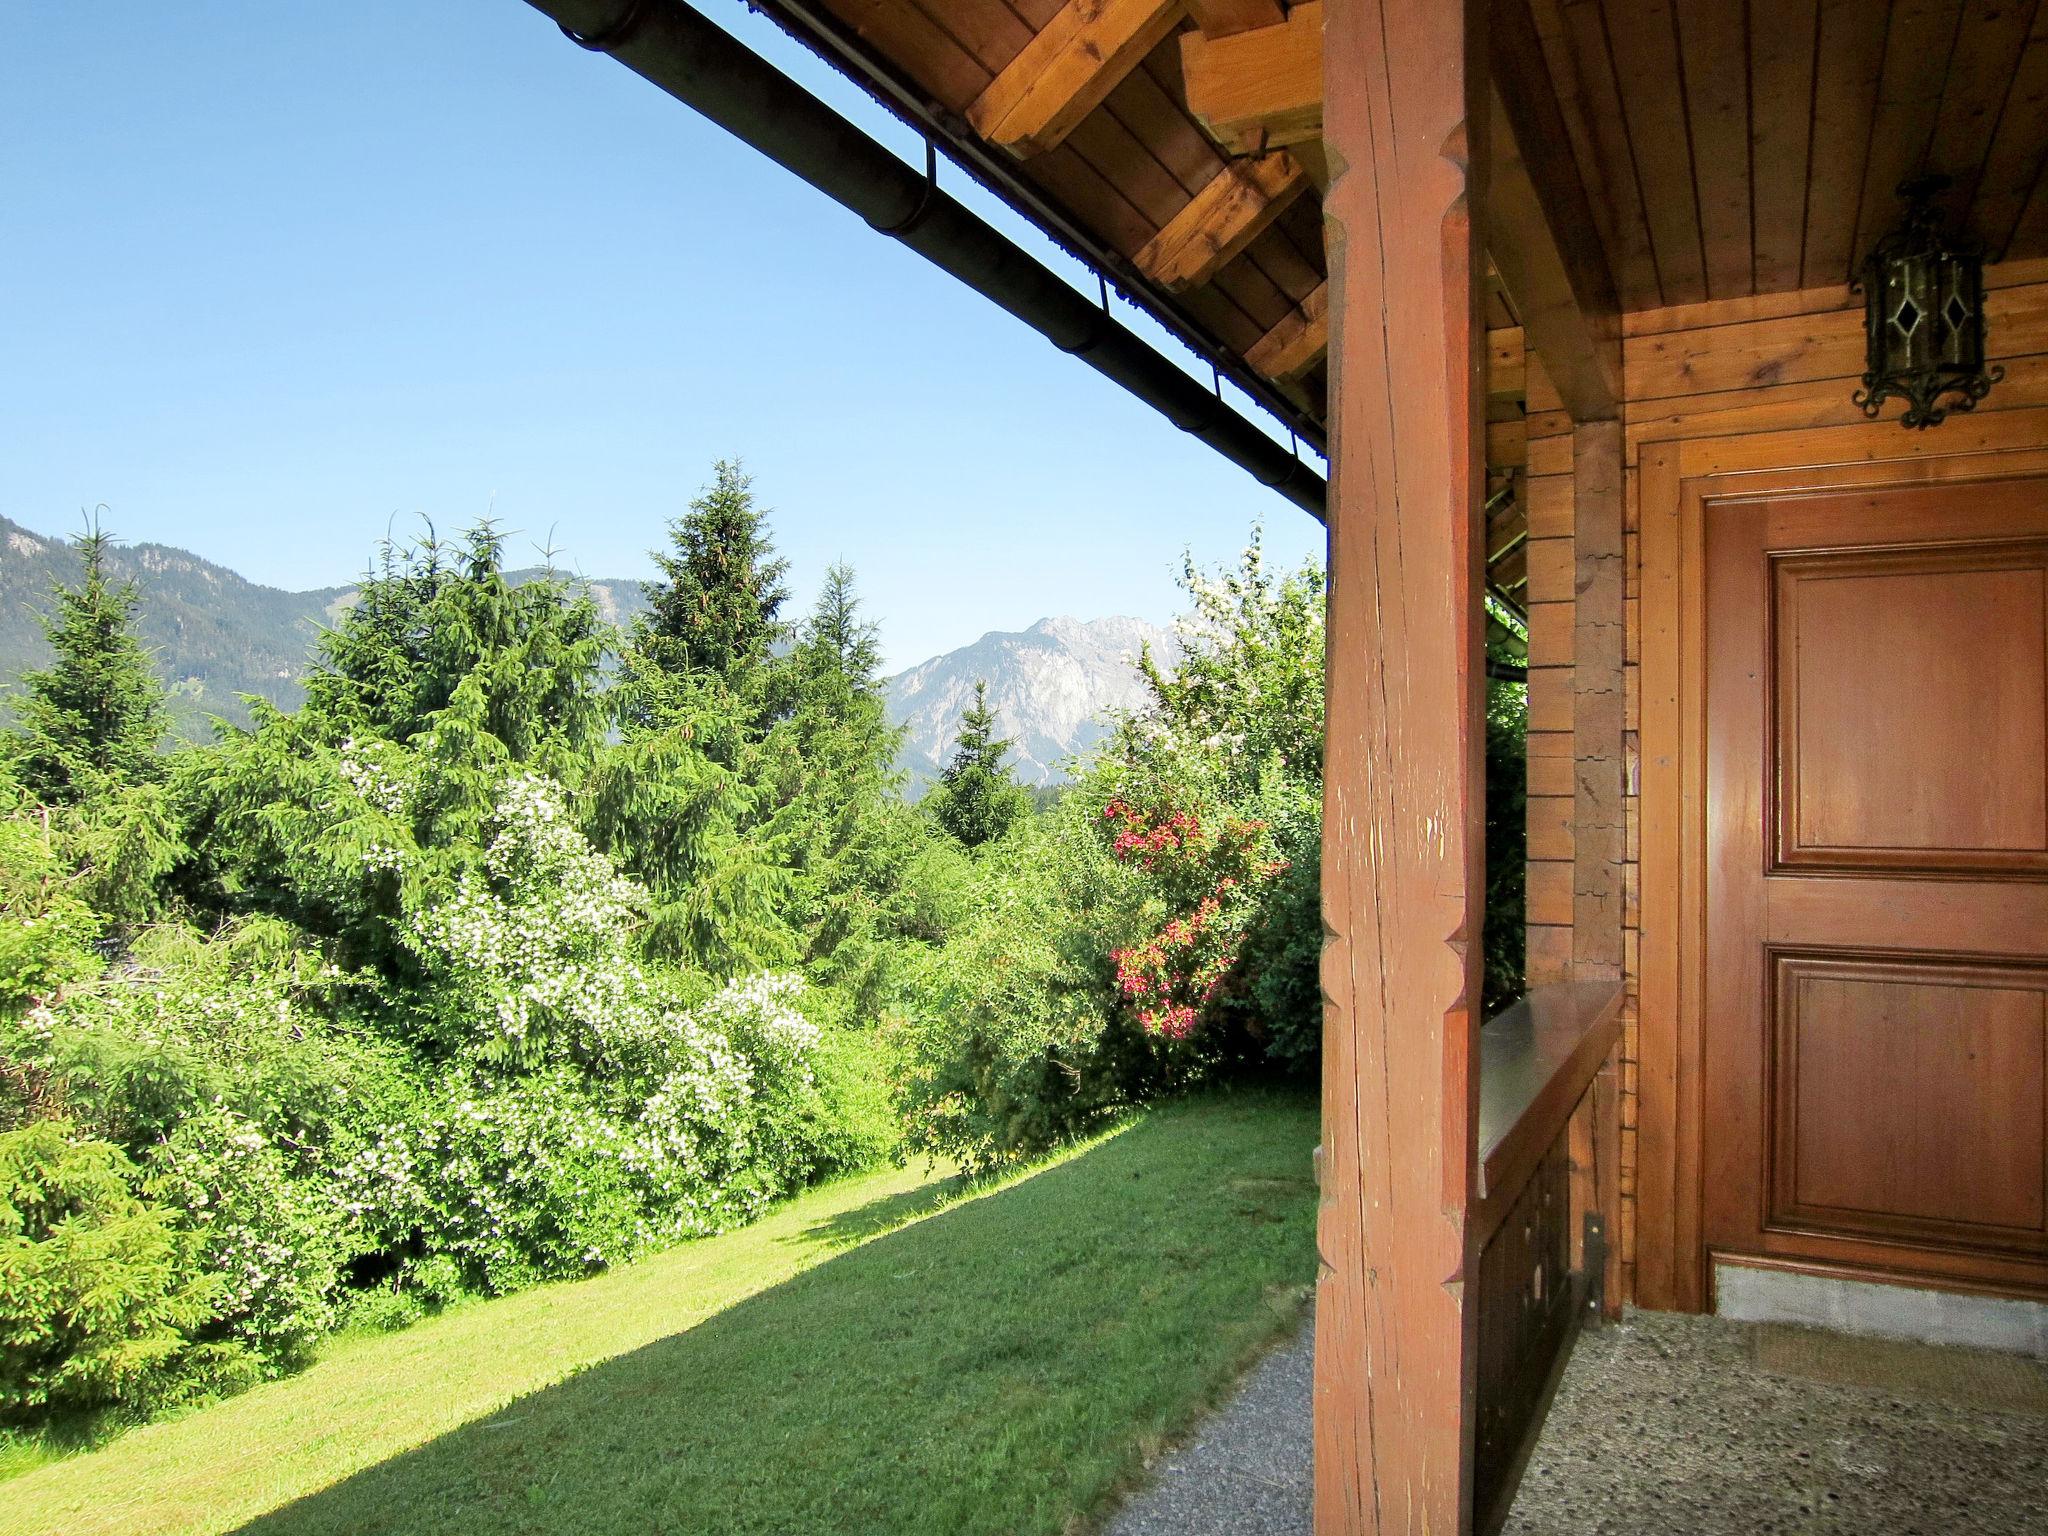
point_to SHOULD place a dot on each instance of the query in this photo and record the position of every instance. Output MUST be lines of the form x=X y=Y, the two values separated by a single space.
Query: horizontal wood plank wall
x=1548 y=494
x=1725 y=368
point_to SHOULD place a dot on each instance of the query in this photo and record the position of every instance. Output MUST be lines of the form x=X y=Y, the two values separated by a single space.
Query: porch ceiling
x=1725 y=148
x=1730 y=149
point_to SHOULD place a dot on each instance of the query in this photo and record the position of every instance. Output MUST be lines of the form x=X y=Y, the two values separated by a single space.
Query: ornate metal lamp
x=1923 y=315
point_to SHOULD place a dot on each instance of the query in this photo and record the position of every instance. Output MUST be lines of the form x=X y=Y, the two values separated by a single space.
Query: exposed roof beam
x=1220 y=18
x=1260 y=89
x=1236 y=206
x=1540 y=230
x=1298 y=342
x=1067 y=69
x=999 y=173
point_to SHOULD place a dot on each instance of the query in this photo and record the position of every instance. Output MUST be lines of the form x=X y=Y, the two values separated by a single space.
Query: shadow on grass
x=884 y=1215
x=999 y=1367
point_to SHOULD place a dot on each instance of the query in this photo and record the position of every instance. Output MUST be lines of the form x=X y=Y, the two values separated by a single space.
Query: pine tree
x=447 y=644
x=840 y=747
x=837 y=640
x=976 y=799
x=716 y=610
x=93 y=718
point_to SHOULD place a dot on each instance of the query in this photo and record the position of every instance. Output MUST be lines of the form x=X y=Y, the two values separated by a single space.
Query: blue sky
x=274 y=276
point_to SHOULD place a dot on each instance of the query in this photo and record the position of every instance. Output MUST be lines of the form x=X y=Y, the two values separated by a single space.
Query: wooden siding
x=1718 y=369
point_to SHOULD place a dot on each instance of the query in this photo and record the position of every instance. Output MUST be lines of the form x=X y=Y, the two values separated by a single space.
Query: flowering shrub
x=532 y=952
x=516 y=1183
x=1016 y=1040
x=144 y=1047
x=268 y=1238
x=549 y=1175
x=1210 y=881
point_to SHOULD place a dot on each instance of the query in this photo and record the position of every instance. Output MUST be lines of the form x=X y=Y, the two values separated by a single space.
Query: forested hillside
x=213 y=635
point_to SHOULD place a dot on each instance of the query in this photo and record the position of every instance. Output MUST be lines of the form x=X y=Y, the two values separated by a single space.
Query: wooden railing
x=1548 y=1181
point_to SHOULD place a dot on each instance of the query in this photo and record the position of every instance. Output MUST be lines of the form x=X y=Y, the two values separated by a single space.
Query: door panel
x=1875 y=1007
x=1951 y=1056
x=1886 y=665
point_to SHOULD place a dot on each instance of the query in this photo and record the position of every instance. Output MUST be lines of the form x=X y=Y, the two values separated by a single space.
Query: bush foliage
x=526 y=947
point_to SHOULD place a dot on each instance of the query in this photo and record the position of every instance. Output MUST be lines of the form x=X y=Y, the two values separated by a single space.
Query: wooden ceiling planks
x=1850 y=40
x=2013 y=158
x=1781 y=60
x=1713 y=40
x=1989 y=41
x=1643 y=36
x=1917 y=49
x=1733 y=147
x=1574 y=35
x=1728 y=148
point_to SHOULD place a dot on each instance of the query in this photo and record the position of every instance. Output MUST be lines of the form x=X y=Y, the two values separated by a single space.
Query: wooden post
x=1403 y=834
x=1599 y=822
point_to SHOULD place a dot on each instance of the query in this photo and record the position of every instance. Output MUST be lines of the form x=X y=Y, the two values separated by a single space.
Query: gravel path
x=1248 y=1470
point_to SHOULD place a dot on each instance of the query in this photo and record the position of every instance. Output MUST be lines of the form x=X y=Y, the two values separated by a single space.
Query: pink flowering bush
x=1209 y=878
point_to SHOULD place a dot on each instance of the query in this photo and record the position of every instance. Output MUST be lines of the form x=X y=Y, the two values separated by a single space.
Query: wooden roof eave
x=891 y=86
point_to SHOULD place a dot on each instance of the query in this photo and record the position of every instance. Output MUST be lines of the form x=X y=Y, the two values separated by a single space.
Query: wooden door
x=1875 y=1004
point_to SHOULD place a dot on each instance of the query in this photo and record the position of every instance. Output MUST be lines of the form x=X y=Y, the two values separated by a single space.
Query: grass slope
x=882 y=1355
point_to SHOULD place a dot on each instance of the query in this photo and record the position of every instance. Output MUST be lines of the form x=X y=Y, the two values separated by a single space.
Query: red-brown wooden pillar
x=1403 y=837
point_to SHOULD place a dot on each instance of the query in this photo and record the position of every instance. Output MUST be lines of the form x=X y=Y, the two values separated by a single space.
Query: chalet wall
x=1724 y=368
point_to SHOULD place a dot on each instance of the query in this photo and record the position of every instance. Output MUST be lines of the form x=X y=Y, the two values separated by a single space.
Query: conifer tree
x=976 y=799
x=94 y=717
x=452 y=646
x=837 y=640
x=716 y=611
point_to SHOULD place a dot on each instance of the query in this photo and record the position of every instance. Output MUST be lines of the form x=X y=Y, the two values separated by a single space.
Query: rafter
x=1264 y=87
x=1236 y=206
x=1220 y=18
x=1298 y=342
x=1259 y=89
x=1067 y=69
x=1540 y=228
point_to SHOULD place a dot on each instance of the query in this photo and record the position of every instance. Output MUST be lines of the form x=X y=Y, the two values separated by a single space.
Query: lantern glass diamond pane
x=1923 y=314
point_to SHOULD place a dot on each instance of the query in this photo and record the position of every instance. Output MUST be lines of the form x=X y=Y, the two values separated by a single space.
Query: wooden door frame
x=1676 y=481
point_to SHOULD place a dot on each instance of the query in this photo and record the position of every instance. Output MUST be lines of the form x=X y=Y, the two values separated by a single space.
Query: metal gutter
x=696 y=61
x=818 y=29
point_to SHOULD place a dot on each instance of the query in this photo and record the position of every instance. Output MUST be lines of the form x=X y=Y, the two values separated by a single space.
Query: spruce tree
x=440 y=640
x=93 y=718
x=716 y=610
x=976 y=799
x=837 y=640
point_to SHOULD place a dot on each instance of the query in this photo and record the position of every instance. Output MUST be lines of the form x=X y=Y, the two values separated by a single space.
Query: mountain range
x=217 y=635
x=1050 y=685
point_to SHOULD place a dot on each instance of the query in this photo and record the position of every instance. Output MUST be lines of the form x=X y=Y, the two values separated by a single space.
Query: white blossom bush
x=516 y=1182
x=269 y=1238
x=533 y=951
x=589 y=1112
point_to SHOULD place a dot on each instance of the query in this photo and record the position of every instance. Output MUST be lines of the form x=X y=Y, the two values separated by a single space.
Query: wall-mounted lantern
x=1923 y=315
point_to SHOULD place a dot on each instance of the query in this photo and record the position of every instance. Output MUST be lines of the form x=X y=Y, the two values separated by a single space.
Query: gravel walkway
x=1248 y=1470
x=1692 y=1425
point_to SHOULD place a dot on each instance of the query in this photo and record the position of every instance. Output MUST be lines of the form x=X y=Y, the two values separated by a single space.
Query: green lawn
x=891 y=1354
